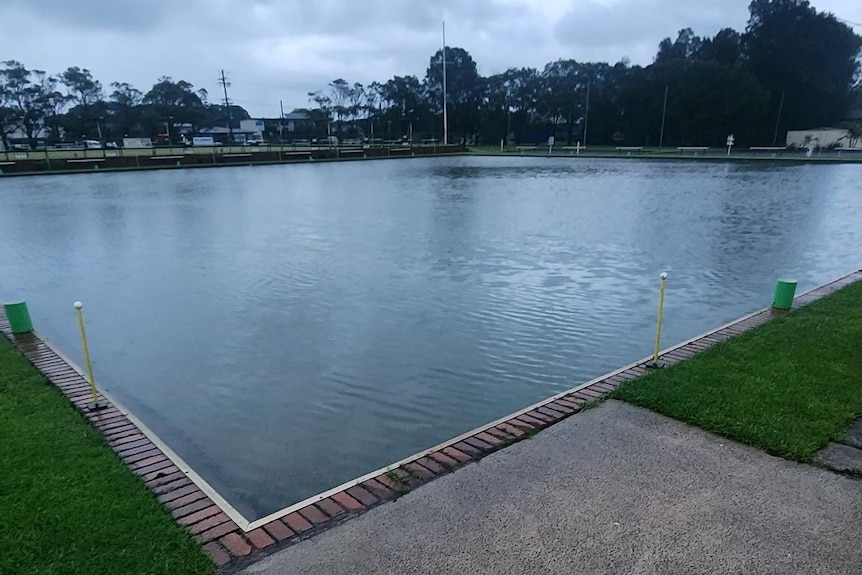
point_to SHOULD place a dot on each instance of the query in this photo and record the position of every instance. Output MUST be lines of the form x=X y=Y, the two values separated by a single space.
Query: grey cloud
x=630 y=23
x=282 y=49
x=94 y=14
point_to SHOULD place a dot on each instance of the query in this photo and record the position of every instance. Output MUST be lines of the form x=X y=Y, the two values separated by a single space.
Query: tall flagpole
x=445 y=113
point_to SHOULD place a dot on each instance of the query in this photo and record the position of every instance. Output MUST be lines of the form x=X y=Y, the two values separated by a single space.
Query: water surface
x=288 y=328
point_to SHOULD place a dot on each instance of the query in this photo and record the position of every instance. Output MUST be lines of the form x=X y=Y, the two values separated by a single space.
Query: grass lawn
x=67 y=503
x=787 y=387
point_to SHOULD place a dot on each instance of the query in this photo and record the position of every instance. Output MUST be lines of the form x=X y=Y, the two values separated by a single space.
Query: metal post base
x=654 y=364
x=97 y=405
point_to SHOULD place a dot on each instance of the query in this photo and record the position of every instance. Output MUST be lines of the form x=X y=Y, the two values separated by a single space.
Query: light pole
x=778 y=120
x=445 y=113
x=587 y=115
x=663 y=113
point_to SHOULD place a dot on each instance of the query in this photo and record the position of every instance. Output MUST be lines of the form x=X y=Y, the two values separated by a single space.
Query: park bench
x=629 y=149
x=696 y=150
x=774 y=150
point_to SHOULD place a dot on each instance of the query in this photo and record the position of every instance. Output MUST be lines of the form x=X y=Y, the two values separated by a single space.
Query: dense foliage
x=792 y=68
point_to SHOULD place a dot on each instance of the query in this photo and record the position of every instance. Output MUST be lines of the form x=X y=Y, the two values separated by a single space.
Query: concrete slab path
x=616 y=489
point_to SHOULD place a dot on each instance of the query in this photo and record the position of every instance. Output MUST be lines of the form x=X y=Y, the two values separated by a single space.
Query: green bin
x=19 y=317
x=784 y=292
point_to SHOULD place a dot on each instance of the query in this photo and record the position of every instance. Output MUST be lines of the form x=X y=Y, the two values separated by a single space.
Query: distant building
x=252 y=128
x=296 y=122
x=221 y=134
x=823 y=138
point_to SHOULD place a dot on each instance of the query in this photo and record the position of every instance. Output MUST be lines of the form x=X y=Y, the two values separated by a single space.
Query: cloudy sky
x=282 y=49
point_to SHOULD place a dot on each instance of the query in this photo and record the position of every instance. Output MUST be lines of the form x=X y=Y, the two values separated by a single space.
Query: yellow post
x=92 y=381
x=655 y=362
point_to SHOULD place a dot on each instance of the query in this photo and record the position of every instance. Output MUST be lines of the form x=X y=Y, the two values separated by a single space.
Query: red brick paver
x=236 y=544
x=260 y=538
x=217 y=553
x=378 y=489
x=444 y=459
x=362 y=495
x=279 y=530
x=313 y=514
x=432 y=464
x=347 y=501
x=478 y=445
x=330 y=507
x=456 y=454
x=297 y=522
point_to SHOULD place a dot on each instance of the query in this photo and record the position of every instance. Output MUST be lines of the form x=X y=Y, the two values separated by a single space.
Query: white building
x=254 y=129
x=823 y=138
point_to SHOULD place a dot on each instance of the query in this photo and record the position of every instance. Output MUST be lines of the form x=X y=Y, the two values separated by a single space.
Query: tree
x=564 y=89
x=9 y=114
x=403 y=101
x=31 y=97
x=706 y=102
x=170 y=102
x=685 y=47
x=807 y=60
x=724 y=48
x=463 y=88
x=355 y=96
x=84 y=91
x=124 y=107
x=340 y=92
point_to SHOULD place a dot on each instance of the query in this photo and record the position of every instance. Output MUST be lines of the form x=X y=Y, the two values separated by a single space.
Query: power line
x=847 y=21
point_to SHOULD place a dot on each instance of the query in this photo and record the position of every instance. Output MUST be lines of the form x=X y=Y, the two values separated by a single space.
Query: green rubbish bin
x=784 y=292
x=19 y=317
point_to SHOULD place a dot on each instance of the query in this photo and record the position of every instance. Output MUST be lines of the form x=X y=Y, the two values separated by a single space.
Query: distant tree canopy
x=72 y=106
x=792 y=68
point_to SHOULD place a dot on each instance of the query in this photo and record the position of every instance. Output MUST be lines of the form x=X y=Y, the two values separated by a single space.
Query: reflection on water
x=288 y=328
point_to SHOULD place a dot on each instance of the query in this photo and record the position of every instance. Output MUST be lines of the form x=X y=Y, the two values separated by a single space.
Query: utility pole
x=663 y=113
x=778 y=120
x=587 y=115
x=445 y=115
x=281 y=121
x=224 y=84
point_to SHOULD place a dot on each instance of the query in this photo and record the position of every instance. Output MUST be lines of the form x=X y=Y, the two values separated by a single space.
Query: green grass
x=67 y=503
x=788 y=387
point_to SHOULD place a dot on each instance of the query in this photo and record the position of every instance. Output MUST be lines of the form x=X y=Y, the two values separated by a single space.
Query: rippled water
x=288 y=328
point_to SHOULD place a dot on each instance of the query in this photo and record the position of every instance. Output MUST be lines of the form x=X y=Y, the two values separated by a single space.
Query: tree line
x=73 y=106
x=792 y=68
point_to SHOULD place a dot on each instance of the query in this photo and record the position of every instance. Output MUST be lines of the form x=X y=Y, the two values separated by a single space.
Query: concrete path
x=616 y=489
x=845 y=455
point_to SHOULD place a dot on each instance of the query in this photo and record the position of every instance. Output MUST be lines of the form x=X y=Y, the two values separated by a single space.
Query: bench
x=774 y=150
x=695 y=149
x=629 y=149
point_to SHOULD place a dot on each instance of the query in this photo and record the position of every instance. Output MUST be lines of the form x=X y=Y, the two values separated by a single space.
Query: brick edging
x=223 y=539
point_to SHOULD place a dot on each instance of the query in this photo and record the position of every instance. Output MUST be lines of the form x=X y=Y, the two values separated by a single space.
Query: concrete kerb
x=569 y=403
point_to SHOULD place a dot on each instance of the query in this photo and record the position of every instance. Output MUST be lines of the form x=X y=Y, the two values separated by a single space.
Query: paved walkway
x=617 y=489
x=844 y=456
